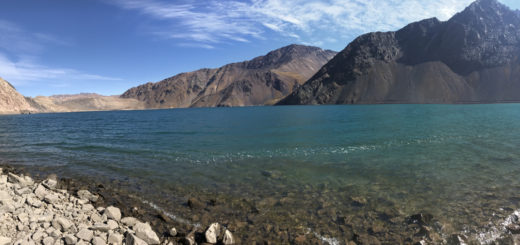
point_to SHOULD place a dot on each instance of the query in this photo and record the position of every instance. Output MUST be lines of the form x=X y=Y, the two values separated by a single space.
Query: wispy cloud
x=216 y=21
x=19 y=54
x=26 y=71
x=15 y=39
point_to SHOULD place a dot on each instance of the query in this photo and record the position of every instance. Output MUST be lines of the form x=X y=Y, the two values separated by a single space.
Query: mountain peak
x=284 y=55
x=486 y=10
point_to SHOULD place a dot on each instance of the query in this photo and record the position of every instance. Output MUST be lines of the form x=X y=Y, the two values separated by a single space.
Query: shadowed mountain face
x=471 y=58
x=263 y=80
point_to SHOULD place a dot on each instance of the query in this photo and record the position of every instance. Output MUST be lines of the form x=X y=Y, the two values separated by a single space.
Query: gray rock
x=113 y=213
x=130 y=239
x=85 y=234
x=145 y=232
x=70 y=239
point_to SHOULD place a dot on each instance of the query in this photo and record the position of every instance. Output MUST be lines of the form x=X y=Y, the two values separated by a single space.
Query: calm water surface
x=460 y=163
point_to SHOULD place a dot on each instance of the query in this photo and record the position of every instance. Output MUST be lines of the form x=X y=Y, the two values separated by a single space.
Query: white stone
x=4 y=196
x=98 y=241
x=145 y=232
x=40 y=191
x=212 y=233
x=129 y=221
x=85 y=234
x=113 y=213
x=50 y=183
x=48 y=241
x=3 y=179
x=70 y=239
x=5 y=240
x=64 y=223
x=34 y=202
x=100 y=227
x=228 y=238
x=173 y=232
x=112 y=224
x=22 y=191
x=51 y=198
x=86 y=195
x=115 y=238
x=133 y=240
x=38 y=235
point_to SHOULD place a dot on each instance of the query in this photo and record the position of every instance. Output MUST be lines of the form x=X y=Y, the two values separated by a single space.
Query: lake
x=335 y=172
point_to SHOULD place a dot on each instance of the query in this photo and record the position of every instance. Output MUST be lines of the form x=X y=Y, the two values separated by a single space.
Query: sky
x=52 y=47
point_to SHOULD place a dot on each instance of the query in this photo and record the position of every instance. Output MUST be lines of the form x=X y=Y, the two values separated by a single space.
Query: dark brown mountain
x=471 y=58
x=263 y=80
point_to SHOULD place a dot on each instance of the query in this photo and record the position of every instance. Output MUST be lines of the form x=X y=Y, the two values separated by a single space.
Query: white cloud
x=311 y=21
x=26 y=71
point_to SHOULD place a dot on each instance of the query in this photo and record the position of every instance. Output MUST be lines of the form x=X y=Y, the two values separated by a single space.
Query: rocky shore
x=33 y=212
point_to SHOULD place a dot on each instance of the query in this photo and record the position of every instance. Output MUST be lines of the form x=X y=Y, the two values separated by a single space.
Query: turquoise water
x=459 y=163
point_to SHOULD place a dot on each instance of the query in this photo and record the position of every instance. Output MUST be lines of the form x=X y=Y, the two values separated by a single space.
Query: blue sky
x=107 y=46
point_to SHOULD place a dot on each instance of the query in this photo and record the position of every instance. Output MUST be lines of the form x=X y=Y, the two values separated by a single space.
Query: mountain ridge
x=259 y=81
x=471 y=58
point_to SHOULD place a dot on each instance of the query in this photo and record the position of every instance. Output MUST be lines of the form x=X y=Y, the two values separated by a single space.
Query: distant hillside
x=86 y=102
x=12 y=102
x=471 y=58
x=263 y=80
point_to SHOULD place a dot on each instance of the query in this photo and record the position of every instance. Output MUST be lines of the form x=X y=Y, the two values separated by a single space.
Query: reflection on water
x=335 y=172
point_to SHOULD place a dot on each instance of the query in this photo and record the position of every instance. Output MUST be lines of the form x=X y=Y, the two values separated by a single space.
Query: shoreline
x=420 y=228
x=134 y=221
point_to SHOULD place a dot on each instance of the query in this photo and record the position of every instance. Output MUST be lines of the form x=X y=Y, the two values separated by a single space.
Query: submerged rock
x=212 y=233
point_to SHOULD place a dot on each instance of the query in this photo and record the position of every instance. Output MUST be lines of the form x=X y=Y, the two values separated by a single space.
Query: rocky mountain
x=12 y=102
x=263 y=80
x=86 y=102
x=471 y=58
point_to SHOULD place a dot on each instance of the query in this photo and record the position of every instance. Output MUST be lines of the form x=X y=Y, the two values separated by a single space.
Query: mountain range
x=471 y=58
x=261 y=81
